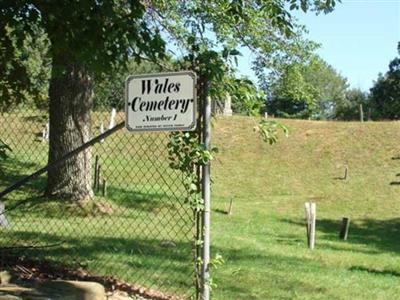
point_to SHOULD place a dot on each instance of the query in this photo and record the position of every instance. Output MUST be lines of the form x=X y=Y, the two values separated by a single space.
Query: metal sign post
x=205 y=271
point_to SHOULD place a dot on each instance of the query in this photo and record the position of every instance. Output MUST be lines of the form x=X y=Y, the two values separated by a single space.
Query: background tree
x=349 y=108
x=291 y=95
x=109 y=90
x=247 y=98
x=24 y=67
x=307 y=89
x=385 y=94
x=88 y=38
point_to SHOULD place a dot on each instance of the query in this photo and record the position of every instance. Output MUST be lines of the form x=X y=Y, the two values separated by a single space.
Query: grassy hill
x=264 y=241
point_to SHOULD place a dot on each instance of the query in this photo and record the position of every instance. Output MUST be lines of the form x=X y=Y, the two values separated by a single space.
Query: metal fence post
x=205 y=274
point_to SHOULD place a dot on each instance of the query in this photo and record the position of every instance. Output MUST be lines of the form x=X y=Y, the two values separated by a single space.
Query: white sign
x=157 y=102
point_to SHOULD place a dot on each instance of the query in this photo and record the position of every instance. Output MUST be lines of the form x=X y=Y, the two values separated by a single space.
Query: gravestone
x=3 y=219
x=101 y=131
x=112 y=118
x=45 y=132
x=227 y=105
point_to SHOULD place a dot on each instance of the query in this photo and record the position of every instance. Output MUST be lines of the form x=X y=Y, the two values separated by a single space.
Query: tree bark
x=70 y=94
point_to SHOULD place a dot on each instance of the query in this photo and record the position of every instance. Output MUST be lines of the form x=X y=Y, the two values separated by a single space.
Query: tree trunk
x=70 y=94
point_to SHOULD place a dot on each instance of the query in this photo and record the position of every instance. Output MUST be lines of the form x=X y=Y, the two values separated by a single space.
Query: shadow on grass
x=146 y=201
x=138 y=260
x=380 y=235
x=30 y=196
x=375 y=272
x=76 y=251
x=242 y=261
x=13 y=170
x=220 y=211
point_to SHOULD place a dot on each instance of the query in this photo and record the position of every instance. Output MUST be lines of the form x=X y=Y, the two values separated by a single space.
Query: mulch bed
x=26 y=269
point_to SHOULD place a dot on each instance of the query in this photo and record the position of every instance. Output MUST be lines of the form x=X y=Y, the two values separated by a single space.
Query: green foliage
x=265 y=27
x=292 y=95
x=186 y=154
x=246 y=98
x=385 y=94
x=103 y=35
x=96 y=34
x=4 y=148
x=25 y=67
x=269 y=130
x=309 y=89
x=349 y=107
x=109 y=89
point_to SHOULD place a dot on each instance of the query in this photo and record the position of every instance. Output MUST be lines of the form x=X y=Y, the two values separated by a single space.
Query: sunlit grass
x=263 y=242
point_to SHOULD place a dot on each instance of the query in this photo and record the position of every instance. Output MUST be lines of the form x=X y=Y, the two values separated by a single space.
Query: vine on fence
x=186 y=154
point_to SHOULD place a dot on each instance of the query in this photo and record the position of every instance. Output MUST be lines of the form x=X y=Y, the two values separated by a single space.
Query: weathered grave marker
x=311 y=214
x=344 y=231
x=46 y=132
x=346 y=173
x=361 y=113
x=96 y=164
x=227 y=105
x=102 y=131
x=230 y=207
x=3 y=219
x=104 y=189
x=112 y=118
x=98 y=177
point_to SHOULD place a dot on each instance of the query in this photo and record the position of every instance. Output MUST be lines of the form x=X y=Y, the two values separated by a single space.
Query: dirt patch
x=26 y=272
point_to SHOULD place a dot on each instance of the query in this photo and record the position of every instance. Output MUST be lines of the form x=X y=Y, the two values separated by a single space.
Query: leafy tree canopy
x=104 y=34
x=307 y=89
x=348 y=108
x=385 y=94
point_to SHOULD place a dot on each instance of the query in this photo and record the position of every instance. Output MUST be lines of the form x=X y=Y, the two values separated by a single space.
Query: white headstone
x=112 y=118
x=3 y=219
x=45 y=132
x=227 y=105
x=101 y=131
x=266 y=115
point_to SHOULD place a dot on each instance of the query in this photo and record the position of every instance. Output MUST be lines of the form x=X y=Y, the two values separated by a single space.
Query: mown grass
x=263 y=242
x=140 y=232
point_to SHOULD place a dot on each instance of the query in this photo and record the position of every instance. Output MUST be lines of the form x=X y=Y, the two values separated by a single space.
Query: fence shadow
x=381 y=235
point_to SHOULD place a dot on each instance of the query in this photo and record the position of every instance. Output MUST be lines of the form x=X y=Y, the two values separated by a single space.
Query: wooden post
x=344 y=231
x=361 y=113
x=96 y=164
x=104 y=190
x=98 y=178
x=311 y=214
x=230 y=207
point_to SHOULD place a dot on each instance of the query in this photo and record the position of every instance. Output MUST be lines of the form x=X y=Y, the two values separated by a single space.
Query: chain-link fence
x=132 y=229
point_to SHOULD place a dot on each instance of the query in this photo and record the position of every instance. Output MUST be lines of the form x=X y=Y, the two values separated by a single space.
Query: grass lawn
x=140 y=232
x=263 y=242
